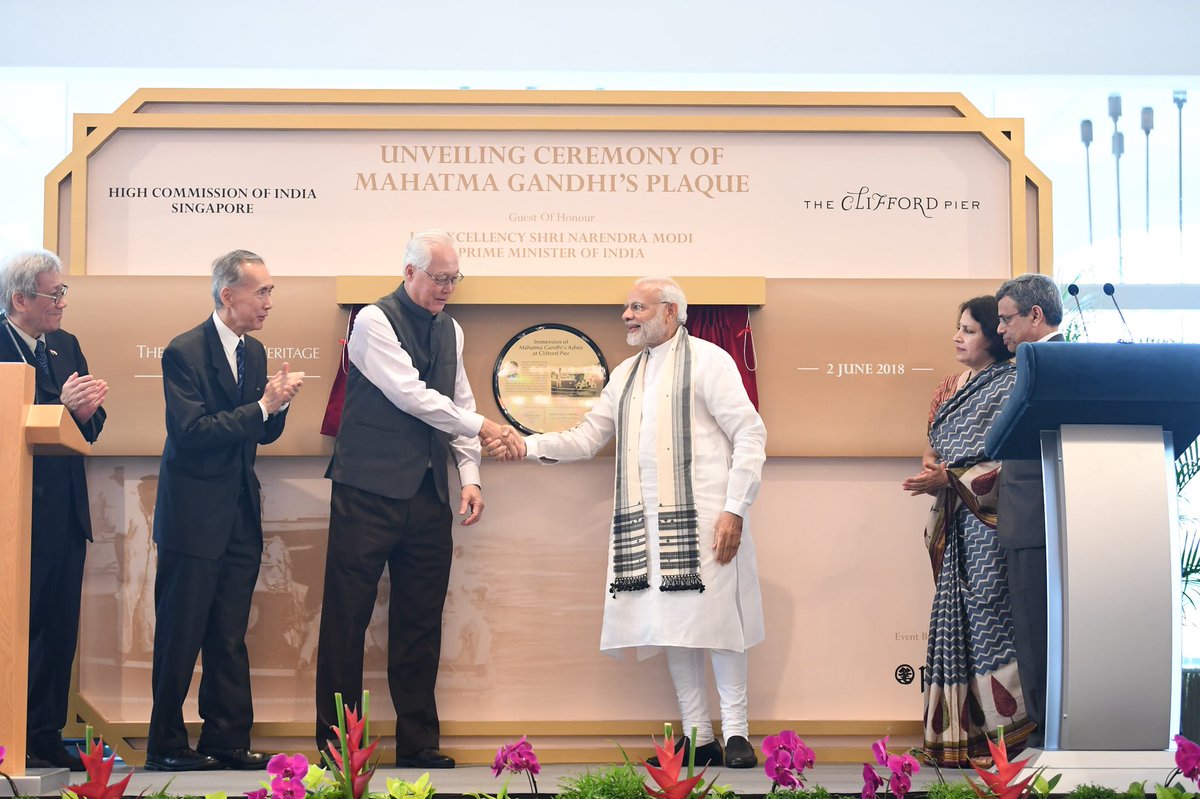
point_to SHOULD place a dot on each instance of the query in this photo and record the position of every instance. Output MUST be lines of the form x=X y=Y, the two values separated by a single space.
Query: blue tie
x=39 y=354
x=241 y=365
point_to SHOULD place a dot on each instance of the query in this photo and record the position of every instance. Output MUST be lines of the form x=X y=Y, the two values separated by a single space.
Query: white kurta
x=729 y=446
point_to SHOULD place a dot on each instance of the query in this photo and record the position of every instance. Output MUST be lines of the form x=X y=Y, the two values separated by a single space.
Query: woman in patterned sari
x=971 y=683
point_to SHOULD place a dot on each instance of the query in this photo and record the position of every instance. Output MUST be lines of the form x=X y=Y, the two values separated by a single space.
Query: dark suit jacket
x=59 y=483
x=1021 y=505
x=212 y=438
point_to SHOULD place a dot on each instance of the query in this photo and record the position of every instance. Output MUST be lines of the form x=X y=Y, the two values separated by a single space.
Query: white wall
x=877 y=37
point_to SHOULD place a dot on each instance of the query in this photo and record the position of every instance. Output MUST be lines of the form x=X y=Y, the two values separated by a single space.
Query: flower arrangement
x=667 y=773
x=513 y=758
x=1187 y=764
x=347 y=774
x=347 y=760
x=785 y=757
x=1003 y=784
x=516 y=758
x=99 y=772
x=900 y=768
x=403 y=789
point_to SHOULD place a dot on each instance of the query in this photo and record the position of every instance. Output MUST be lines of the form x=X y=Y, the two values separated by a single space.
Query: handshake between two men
x=502 y=442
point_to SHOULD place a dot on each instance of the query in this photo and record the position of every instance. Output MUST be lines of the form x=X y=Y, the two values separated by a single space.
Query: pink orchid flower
x=872 y=782
x=880 y=750
x=1187 y=758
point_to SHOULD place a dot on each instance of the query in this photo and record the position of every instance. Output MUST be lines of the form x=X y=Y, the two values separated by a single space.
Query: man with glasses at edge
x=409 y=410
x=1030 y=310
x=34 y=301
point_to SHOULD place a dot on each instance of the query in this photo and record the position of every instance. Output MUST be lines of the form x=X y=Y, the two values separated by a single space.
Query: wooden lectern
x=25 y=430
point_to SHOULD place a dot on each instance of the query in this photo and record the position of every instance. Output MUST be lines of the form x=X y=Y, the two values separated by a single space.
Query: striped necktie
x=241 y=365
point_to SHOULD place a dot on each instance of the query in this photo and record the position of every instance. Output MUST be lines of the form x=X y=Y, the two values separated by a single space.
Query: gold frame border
x=492 y=110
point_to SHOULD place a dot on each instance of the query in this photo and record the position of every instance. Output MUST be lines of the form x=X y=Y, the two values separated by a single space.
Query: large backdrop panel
x=846 y=227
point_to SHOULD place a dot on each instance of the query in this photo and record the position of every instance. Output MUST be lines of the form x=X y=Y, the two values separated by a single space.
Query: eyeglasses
x=637 y=307
x=445 y=280
x=56 y=296
x=1006 y=320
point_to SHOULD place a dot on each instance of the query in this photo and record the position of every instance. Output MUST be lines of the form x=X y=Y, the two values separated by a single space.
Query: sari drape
x=972 y=687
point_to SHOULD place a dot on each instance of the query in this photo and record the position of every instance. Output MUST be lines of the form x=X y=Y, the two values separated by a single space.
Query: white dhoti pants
x=729 y=670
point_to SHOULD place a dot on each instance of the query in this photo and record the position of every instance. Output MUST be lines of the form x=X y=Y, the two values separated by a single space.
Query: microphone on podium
x=1111 y=291
x=1073 y=290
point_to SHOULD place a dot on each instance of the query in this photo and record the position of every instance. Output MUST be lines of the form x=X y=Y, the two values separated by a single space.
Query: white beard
x=652 y=330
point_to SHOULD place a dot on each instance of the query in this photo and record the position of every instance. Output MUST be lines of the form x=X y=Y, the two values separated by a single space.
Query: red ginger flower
x=667 y=774
x=99 y=772
x=1000 y=785
x=358 y=756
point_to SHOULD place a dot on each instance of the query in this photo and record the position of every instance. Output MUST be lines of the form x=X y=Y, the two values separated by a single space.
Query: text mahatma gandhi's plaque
x=547 y=377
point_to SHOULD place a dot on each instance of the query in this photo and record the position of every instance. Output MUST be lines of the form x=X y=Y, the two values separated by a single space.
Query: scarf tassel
x=682 y=582
x=635 y=583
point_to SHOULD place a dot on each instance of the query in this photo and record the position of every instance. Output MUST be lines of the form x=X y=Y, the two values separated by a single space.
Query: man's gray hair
x=419 y=252
x=228 y=272
x=20 y=270
x=1030 y=290
x=668 y=291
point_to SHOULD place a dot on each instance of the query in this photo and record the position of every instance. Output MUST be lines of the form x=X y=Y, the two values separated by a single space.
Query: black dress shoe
x=240 y=759
x=425 y=758
x=62 y=758
x=33 y=761
x=708 y=754
x=739 y=753
x=180 y=760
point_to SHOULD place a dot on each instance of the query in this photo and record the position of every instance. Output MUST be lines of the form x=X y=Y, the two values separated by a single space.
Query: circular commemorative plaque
x=547 y=377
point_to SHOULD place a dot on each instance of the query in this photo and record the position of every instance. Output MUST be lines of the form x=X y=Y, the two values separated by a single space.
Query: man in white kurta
x=727 y=453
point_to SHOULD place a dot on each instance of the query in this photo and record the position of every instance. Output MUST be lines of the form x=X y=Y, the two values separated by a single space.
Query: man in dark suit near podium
x=1030 y=309
x=34 y=298
x=220 y=406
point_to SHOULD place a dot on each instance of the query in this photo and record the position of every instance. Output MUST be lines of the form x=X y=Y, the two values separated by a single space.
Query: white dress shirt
x=229 y=343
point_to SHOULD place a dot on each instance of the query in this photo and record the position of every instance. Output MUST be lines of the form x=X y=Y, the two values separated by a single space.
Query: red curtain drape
x=337 y=392
x=728 y=326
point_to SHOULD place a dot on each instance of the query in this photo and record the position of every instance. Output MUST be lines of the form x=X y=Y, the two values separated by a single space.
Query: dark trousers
x=1027 y=594
x=202 y=607
x=412 y=538
x=55 y=581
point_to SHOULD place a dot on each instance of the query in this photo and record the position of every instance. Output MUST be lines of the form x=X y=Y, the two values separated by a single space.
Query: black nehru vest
x=380 y=448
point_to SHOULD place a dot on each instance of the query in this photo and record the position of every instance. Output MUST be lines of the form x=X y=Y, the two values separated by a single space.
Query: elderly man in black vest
x=409 y=410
